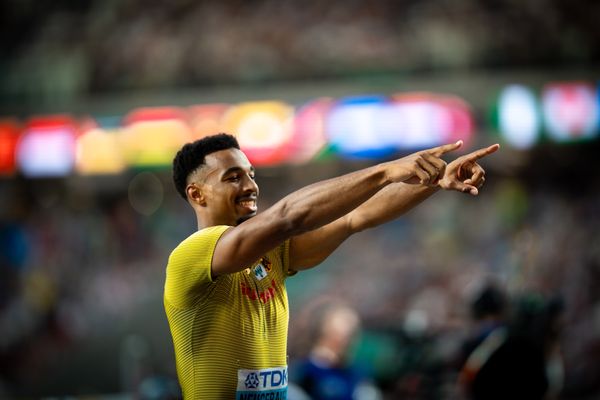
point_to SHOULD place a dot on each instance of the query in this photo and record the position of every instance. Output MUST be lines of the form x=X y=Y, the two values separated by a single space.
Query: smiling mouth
x=248 y=203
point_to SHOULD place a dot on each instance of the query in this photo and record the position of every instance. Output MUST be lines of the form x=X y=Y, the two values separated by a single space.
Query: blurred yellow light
x=263 y=129
x=154 y=143
x=98 y=152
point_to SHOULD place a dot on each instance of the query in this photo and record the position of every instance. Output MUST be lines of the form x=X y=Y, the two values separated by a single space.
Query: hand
x=464 y=174
x=423 y=167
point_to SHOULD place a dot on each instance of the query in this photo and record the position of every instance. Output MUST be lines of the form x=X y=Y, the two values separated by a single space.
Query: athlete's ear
x=195 y=194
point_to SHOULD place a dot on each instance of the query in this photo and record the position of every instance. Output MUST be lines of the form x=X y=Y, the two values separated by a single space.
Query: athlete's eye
x=233 y=178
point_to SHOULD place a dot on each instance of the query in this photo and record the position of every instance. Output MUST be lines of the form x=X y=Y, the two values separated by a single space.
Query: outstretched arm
x=462 y=174
x=319 y=204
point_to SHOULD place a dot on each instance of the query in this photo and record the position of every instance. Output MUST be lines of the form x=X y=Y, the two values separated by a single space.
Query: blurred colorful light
x=207 y=119
x=99 y=152
x=519 y=119
x=353 y=127
x=428 y=119
x=309 y=130
x=376 y=126
x=571 y=111
x=152 y=136
x=263 y=130
x=47 y=147
x=9 y=135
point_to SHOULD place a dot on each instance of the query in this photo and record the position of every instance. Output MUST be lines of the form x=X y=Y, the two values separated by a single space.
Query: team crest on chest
x=262 y=269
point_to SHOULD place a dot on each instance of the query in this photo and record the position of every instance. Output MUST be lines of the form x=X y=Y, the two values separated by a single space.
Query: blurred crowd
x=82 y=270
x=421 y=308
x=65 y=49
x=415 y=282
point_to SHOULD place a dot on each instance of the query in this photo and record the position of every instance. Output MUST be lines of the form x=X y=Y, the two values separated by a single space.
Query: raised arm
x=462 y=174
x=319 y=204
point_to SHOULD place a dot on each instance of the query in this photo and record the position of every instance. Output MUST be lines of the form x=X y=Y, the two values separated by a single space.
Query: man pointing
x=225 y=295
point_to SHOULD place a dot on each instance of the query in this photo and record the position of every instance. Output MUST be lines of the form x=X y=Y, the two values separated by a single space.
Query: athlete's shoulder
x=204 y=239
x=189 y=266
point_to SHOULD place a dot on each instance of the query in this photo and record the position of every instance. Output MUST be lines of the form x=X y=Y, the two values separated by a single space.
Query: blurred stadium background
x=96 y=96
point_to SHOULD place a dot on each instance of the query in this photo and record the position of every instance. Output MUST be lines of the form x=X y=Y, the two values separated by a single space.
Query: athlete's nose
x=250 y=185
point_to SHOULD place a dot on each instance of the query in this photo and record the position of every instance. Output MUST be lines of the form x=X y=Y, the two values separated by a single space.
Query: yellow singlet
x=229 y=334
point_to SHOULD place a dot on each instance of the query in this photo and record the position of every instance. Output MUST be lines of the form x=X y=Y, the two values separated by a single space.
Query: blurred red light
x=9 y=135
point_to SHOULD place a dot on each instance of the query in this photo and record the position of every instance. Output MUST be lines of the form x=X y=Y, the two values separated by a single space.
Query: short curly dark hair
x=192 y=155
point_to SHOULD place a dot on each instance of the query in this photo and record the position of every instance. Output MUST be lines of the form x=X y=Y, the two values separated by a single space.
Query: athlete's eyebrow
x=237 y=169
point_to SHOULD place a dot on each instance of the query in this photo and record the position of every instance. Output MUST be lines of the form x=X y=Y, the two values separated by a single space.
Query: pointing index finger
x=477 y=154
x=443 y=149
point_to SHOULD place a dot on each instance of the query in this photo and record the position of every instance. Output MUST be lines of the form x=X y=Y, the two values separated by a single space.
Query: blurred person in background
x=522 y=360
x=488 y=310
x=329 y=373
x=225 y=296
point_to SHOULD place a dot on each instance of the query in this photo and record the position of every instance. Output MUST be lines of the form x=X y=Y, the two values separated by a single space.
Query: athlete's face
x=229 y=189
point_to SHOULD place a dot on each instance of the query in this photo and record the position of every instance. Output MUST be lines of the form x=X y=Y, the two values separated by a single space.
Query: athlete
x=225 y=295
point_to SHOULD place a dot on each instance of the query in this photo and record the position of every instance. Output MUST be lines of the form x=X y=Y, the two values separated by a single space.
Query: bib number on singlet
x=262 y=384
